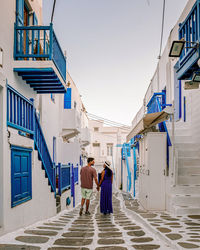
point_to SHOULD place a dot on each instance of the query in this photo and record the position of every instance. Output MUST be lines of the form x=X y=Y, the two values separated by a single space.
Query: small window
x=109 y=149
x=67 y=99
x=21 y=179
x=96 y=129
x=96 y=144
x=75 y=105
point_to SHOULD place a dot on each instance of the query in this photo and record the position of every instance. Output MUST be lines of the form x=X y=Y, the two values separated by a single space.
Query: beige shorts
x=86 y=193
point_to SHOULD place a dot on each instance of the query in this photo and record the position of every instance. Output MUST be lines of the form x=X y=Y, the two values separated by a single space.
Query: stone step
x=189 y=179
x=191 y=153
x=187 y=146
x=186 y=200
x=185 y=189
x=189 y=170
x=182 y=138
x=180 y=132
x=188 y=161
x=183 y=210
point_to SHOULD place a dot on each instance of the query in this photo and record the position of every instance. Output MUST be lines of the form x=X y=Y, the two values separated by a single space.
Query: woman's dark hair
x=90 y=159
x=109 y=171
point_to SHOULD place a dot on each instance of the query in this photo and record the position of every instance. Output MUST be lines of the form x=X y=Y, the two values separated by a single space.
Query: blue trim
x=64 y=177
x=51 y=51
x=135 y=169
x=43 y=80
x=20 y=12
x=18 y=175
x=180 y=99
x=189 y=30
x=184 y=106
x=68 y=99
x=17 y=118
x=9 y=124
x=128 y=168
x=44 y=154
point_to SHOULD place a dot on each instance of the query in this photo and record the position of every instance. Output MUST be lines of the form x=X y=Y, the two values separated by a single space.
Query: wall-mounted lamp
x=68 y=84
x=196 y=77
x=191 y=85
x=1 y=57
x=177 y=47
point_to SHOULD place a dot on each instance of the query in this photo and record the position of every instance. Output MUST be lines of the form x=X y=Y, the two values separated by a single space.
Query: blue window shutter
x=35 y=20
x=21 y=179
x=20 y=12
x=68 y=99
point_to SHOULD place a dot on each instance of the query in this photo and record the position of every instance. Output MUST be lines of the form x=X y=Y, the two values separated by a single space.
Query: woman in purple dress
x=106 y=189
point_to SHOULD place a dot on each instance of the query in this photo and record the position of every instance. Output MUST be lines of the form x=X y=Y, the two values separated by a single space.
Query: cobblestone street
x=70 y=231
x=129 y=227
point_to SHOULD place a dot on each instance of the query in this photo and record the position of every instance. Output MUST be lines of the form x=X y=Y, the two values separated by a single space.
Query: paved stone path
x=181 y=231
x=95 y=232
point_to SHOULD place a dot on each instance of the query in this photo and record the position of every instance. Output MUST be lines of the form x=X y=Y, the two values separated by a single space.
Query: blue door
x=21 y=180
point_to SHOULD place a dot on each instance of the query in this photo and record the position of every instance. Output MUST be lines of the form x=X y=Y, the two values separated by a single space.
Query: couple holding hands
x=88 y=173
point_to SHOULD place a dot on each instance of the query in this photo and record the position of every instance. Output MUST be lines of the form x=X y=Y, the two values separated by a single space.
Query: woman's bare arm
x=102 y=177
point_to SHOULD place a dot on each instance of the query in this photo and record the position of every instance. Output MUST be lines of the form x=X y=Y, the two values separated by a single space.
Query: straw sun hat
x=108 y=164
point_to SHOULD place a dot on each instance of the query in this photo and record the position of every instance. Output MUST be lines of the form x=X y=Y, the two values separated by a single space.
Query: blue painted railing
x=64 y=177
x=19 y=111
x=21 y=115
x=39 y=43
x=189 y=31
x=44 y=154
x=157 y=104
x=76 y=170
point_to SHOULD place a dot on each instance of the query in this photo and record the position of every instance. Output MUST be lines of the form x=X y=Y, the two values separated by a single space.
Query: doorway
x=1 y=154
x=26 y=35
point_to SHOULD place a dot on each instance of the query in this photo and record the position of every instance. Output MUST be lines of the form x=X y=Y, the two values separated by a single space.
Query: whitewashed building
x=43 y=123
x=172 y=171
x=106 y=145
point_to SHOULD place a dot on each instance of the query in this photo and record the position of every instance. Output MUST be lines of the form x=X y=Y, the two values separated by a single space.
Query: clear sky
x=112 y=48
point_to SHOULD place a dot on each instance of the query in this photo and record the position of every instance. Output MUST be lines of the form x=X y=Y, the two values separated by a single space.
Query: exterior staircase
x=185 y=196
x=43 y=154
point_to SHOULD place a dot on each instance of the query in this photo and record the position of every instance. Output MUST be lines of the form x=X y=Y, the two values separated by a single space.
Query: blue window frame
x=21 y=175
x=68 y=99
x=20 y=12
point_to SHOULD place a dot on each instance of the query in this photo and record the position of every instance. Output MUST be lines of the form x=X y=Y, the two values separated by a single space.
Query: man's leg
x=82 y=201
x=87 y=205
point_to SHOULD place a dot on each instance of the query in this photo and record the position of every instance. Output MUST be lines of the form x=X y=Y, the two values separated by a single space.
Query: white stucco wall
x=43 y=203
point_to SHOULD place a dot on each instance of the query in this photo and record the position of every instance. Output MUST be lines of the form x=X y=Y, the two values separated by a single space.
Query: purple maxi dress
x=106 y=194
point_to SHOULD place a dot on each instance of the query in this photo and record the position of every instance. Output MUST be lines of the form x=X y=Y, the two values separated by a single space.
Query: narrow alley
x=70 y=231
x=125 y=229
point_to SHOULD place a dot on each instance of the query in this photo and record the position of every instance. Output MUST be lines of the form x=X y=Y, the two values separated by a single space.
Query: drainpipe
x=52 y=14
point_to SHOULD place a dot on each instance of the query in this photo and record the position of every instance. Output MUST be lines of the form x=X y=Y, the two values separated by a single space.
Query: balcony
x=189 y=31
x=39 y=59
x=85 y=137
x=71 y=125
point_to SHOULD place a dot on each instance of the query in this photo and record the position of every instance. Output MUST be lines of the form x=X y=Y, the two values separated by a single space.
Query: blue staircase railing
x=19 y=111
x=64 y=177
x=44 y=155
x=157 y=104
x=39 y=43
x=76 y=169
x=22 y=116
